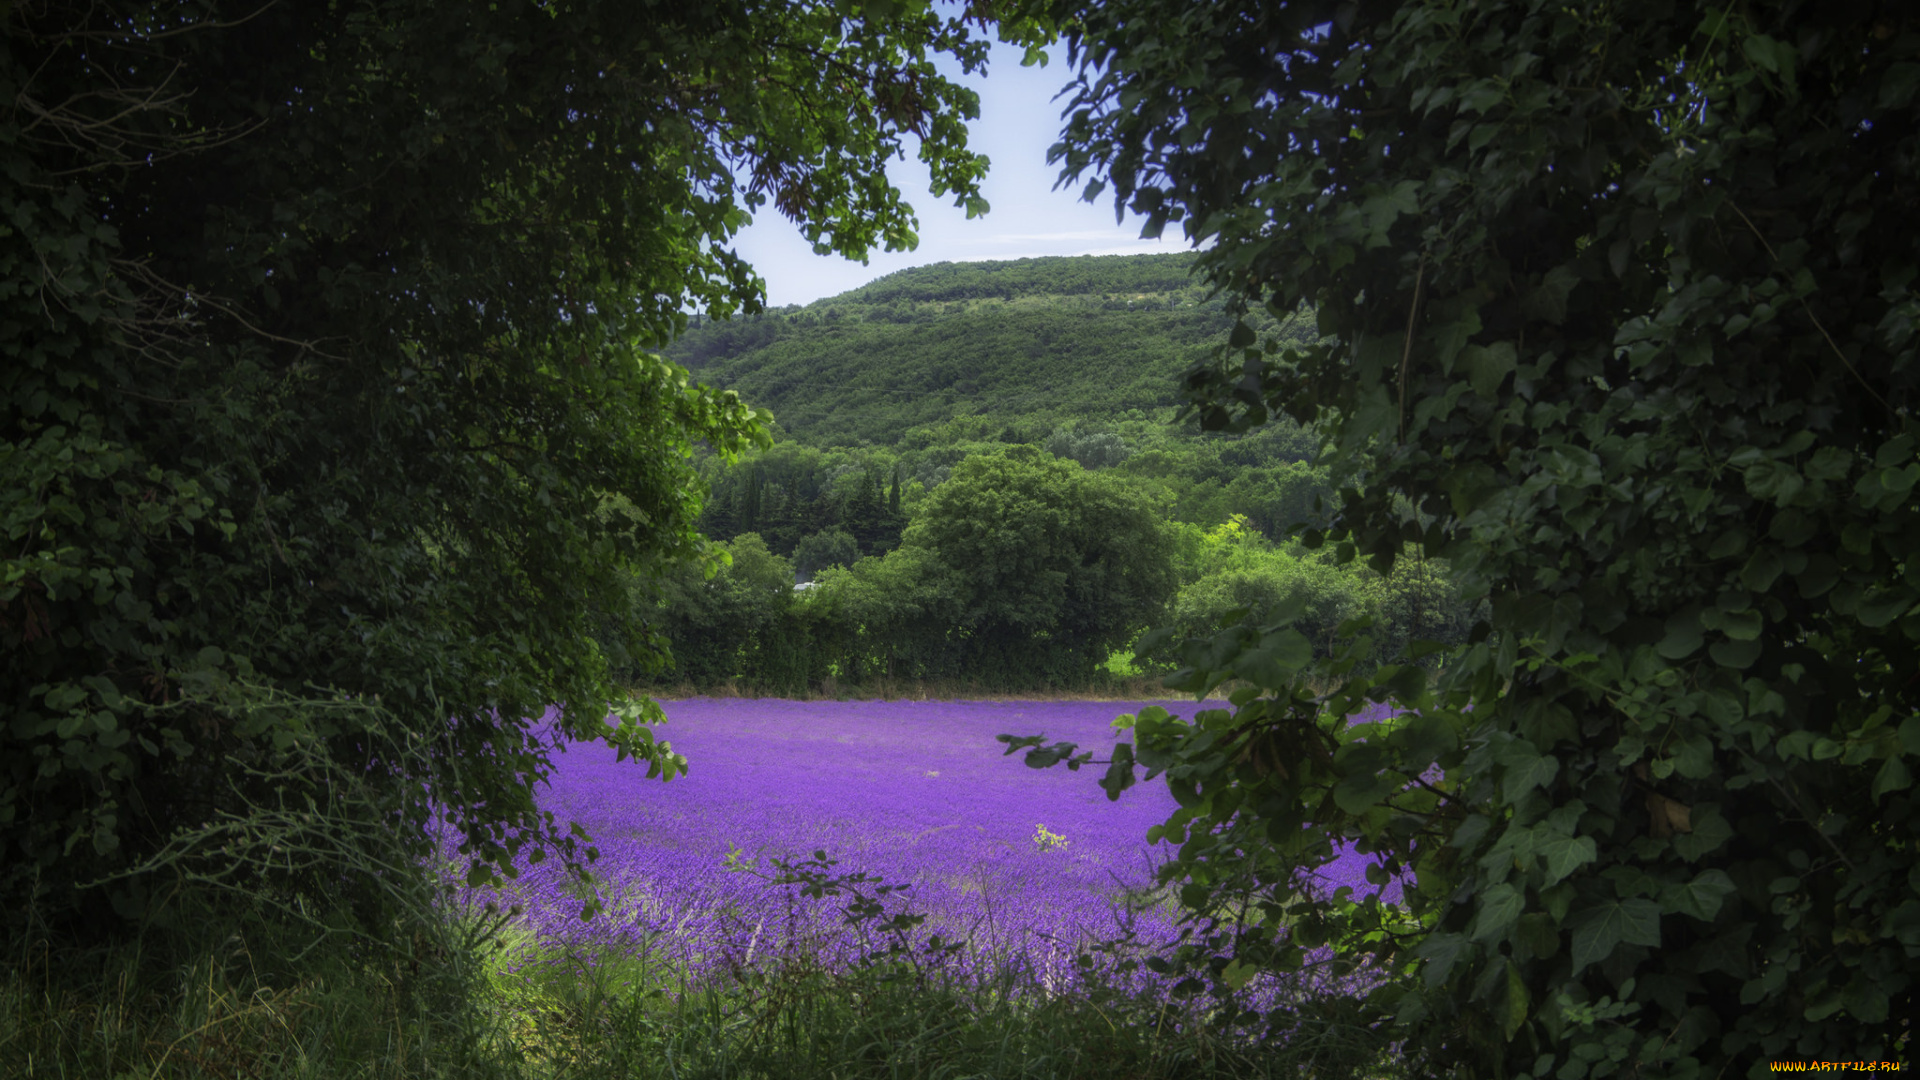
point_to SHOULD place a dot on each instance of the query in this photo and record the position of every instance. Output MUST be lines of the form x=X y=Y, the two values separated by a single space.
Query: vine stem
x=1406 y=347
x=1817 y=324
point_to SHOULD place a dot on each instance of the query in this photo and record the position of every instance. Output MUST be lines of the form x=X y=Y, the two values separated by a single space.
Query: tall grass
x=224 y=996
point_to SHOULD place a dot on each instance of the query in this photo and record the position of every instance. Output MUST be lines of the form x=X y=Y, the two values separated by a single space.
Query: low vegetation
x=207 y=1006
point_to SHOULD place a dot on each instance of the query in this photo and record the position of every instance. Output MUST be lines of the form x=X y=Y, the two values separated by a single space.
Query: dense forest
x=1033 y=343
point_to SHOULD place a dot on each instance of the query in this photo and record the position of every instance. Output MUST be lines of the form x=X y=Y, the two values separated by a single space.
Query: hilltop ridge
x=1041 y=342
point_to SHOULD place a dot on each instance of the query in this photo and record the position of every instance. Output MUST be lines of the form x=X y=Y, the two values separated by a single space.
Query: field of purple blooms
x=1026 y=866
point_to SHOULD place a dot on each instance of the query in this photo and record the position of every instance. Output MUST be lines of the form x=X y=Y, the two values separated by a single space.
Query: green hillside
x=1037 y=342
x=978 y=475
x=911 y=374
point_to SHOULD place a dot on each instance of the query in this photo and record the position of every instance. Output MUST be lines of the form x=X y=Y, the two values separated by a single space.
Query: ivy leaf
x=1275 y=659
x=1470 y=832
x=1538 y=932
x=1910 y=734
x=1499 y=907
x=1893 y=776
x=1683 y=637
x=1423 y=739
x=1738 y=655
x=1488 y=366
x=1725 y=953
x=1710 y=830
x=1694 y=757
x=1360 y=792
x=1525 y=769
x=1598 y=929
x=1882 y=608
x=1701 y=897
x=1564 y=854
x=1775 y=481
x=1762 y=568
x=1742 y=625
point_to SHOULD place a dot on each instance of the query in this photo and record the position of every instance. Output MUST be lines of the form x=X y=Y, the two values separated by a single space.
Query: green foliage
x=474 y=994
x=326 y=367
x=1093 y=450
x=1235 y=572
x=1018 y=573
x=903 y=1007
x=1021 y=571
x=1031 y=342
x=791 y=492
x=828 y=547
x=300 y=935
x=1057 y=566
x=1619 y=313
x=893 y=618
x=719 y=615
x=246 y=997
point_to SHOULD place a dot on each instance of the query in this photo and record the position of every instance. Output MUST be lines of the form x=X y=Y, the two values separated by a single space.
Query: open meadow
x=1022 y=905
x=1024 y=867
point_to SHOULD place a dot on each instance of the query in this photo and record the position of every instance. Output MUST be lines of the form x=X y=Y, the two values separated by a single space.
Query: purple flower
x=915 y=793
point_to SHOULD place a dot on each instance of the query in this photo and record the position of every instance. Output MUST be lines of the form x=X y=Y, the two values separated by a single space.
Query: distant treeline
x=793 y=490
x=1020 y=571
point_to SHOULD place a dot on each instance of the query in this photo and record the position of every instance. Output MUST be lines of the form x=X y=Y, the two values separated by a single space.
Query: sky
x=1018 y=121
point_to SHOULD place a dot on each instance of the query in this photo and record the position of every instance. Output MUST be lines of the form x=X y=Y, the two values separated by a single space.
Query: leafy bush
x=1619 y=310
x=1235 y=572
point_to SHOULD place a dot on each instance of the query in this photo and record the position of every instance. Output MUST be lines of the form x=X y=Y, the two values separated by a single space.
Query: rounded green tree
x=1058 y=567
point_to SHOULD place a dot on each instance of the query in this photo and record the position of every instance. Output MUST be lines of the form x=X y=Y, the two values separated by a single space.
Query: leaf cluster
x=1617 y=309
x=328 y=372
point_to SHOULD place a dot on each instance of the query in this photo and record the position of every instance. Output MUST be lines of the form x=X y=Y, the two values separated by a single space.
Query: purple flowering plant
x=852 y=831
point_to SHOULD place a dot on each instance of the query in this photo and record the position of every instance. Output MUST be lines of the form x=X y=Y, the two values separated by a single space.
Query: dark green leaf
x=1598 y=929
x=1701 y=897
x=1497 y=910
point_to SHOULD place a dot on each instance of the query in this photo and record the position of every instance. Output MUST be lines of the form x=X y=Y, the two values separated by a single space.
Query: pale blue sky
x=1018 y=121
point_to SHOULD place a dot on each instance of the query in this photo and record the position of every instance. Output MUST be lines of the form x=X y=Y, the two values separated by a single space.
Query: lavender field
x=1024 y=865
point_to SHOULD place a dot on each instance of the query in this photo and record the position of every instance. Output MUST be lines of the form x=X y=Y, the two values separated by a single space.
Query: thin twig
x=1808 y=308
x=1406 y=348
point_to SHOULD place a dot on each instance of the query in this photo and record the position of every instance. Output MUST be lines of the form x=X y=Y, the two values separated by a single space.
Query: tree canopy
x=1057 y=567
x=1618 y=308
x=327 y=375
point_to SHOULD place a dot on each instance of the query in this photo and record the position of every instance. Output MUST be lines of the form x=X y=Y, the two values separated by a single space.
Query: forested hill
x=1039 y=342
